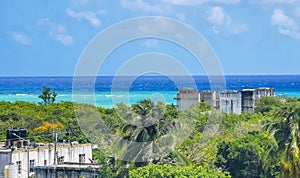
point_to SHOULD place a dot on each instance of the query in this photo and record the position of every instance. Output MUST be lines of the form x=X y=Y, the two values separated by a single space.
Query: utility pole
x=28 y=162
x=27 y=150
x=55 y=145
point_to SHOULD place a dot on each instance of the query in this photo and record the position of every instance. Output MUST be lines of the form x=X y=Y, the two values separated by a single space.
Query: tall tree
x=150 y=125
x=47 y=96
x=286 y=131
x=244 y=156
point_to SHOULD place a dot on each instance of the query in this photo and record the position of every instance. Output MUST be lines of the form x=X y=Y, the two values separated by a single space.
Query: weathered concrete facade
x=228 y=101
x=248 y=100
x=187 y=97
x=211 y=98
x=264 y=92
x=68 y=170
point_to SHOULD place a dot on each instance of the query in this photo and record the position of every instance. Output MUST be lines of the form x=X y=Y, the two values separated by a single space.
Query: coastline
x=155 y=87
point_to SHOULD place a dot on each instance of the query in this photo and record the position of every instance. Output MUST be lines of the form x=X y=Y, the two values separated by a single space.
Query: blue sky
x=46 y=38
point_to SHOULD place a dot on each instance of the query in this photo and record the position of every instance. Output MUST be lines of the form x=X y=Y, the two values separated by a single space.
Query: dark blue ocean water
x=106 y=89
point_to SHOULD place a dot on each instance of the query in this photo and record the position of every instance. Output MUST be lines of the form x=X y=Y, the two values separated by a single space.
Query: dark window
x=19 y=164
x=60 y=160
x=31 y=165
x=45 y=162
x=81 y=158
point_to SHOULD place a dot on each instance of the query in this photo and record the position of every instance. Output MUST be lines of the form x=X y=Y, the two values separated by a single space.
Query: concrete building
x=211 y=98
x=228 y=101
x=248 y=100
x=69 y=170
x=187 y=97
x=25 y=156
x=264 y=92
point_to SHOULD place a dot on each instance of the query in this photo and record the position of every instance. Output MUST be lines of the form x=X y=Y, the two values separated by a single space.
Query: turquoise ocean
x=105 y=91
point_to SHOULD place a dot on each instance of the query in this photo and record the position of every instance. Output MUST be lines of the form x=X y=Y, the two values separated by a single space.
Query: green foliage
x=245 y=156
x=106 y=169
x=144 y=128
x=267 y=104
x=264 y=144
x=32 y=116
x=168 y=171
x=286 y=131
x=47 y=96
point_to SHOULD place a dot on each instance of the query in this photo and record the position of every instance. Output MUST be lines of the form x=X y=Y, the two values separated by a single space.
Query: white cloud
x=63 y=38
x=20 y=37
x=52 y=26
x=220 y=20
x=217 y=16
x=280 y=19
x=285 y=24
x=56 y=31
x=141 y=5
x=86 y=15
x=198 y=2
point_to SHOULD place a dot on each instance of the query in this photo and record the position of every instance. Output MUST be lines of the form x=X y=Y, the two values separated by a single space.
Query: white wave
x=108 y=96
x=21 y=94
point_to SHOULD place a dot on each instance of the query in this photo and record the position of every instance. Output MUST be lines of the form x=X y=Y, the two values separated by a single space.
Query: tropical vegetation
x=151 y=139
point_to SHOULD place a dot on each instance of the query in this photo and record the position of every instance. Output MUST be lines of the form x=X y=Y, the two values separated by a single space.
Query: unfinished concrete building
x=228 y=101
x=248 y=100
x=187 y=97
x=211 y=98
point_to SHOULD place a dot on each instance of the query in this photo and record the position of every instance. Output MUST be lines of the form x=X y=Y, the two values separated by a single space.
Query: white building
x=24 y=158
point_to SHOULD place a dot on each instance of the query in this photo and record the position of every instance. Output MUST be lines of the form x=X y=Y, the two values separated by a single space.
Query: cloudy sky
x=46 y=38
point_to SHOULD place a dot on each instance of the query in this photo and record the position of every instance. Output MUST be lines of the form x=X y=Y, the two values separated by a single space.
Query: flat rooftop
x=41 y=146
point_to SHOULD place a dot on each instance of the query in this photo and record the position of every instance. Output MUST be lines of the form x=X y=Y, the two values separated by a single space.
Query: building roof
x=41 y=146
x=248 y=89
x=265 y=88
x=187 y=90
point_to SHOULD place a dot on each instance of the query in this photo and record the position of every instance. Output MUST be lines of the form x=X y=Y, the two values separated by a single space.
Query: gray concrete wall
x=264 y=92
x=248 y=99
x=231 y=102
x=187 y=97
x=63 y=172
x=211 y=98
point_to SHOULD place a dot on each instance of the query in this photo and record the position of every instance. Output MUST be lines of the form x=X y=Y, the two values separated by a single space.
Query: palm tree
x=286 y=131
x=142 y=135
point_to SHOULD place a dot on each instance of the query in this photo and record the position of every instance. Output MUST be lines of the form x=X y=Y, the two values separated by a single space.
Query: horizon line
x=200 y=75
